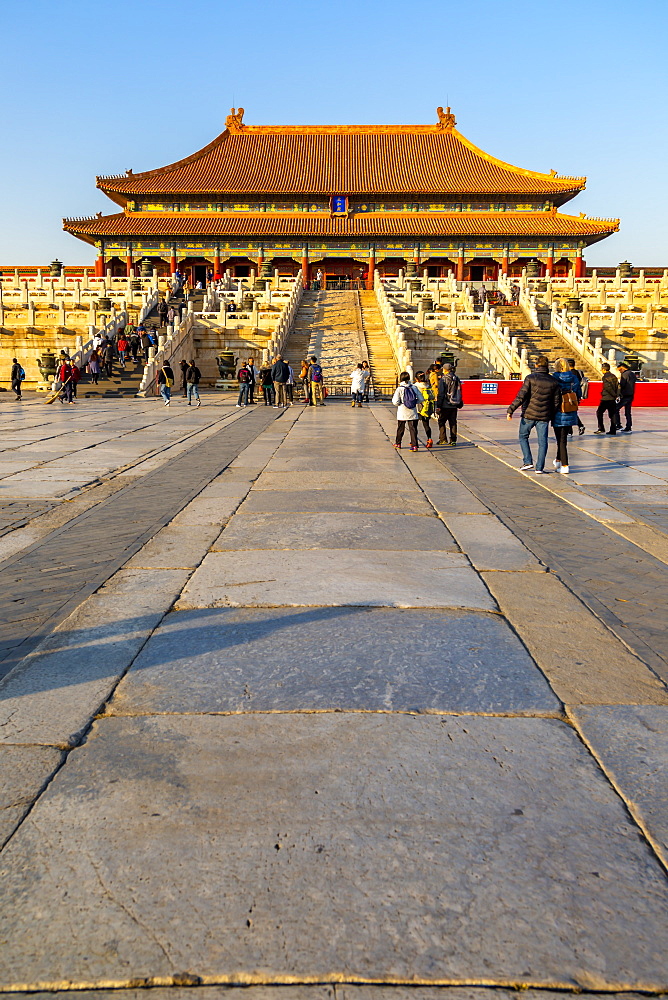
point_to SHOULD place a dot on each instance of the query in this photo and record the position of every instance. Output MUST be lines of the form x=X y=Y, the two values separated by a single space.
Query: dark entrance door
x=477 y=273
x=199 y=274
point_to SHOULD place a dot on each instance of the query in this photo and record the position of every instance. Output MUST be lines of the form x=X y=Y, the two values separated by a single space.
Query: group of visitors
x=554 y=399
x=437 y=391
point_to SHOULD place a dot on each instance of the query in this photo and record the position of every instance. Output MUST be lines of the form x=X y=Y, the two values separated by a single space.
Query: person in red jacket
x=65 y=377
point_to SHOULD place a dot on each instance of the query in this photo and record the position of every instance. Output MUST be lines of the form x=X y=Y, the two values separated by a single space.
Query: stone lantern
x=56 y=268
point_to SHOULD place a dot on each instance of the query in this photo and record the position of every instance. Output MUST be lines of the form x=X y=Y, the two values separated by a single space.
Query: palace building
x=343 y=200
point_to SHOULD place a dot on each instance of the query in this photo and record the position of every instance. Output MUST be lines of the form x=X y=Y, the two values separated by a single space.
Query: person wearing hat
x=627 y=388
x=448 y=401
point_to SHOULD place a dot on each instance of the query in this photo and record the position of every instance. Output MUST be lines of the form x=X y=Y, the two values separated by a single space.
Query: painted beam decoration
x=266 y=191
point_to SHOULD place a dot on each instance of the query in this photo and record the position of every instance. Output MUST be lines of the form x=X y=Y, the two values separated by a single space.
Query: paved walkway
x=362 y=729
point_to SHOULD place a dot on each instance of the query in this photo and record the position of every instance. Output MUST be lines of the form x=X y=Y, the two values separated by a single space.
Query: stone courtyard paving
x=325 y=720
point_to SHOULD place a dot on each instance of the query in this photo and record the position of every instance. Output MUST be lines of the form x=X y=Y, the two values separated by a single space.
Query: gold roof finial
x=235 y=120
x=446 y=120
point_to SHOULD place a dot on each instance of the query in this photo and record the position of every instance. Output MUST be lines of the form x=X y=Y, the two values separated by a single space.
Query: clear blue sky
x=96 y=87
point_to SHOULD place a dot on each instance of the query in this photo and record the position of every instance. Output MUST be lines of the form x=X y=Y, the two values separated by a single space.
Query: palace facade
x=343 y=200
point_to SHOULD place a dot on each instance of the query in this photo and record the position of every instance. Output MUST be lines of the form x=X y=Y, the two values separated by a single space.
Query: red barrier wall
x=647 y=393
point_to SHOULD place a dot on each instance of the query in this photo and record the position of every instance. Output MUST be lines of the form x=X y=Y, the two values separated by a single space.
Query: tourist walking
x=76 y=375
x=17 y=376
x=540 y=398
x=367 y=382
x=162 y=312
x=427 y=408
x=280 y=373
x=317 y=381
x=122 y=345
x=608 y=404
x=165 y=382
x=193 y=375
x=107 y=353
x=135 y=344
x=566 y=416
x=252 y=382
x=627 y=388
x=407 y=398
x=448 y=402
x=183 y=365
x=267 y=384
x=357 y=381
x=243 y=378
x=94 y=366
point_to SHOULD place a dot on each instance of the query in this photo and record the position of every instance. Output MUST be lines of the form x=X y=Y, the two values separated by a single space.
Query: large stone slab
x=334 y=531
x=314 y=459
x=205 y=510
x=489 y=544
x=24 y=771
x=402 y=482
x=583 y=661
x=51 y=696
x=346 y=499
x=631 y=742
x=175 y=547
x=261 y=660
x=452 y=498
x=319 y=847
x=336 y=577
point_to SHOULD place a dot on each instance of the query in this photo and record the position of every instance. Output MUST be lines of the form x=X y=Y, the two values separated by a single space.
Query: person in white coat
x=408 y=398
x=357 y=383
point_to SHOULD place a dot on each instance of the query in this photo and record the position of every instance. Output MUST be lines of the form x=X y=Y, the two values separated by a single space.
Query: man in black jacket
x=627 y=388
x=448 y=402
x=17 y=376
x=540 y=398
x=608 y=404
x=280 y=373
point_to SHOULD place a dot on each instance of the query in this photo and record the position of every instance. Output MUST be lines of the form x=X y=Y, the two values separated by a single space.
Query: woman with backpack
x=408 y=398
x=566 y=417
x=267 y=384
x=94 y=366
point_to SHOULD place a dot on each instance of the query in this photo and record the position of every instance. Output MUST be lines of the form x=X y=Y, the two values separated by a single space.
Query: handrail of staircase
x=504 y=347
x=158 y=355
x=569 y=330
x=118 y=321
x=402 y=354
x=151 y=299
x=285 y=321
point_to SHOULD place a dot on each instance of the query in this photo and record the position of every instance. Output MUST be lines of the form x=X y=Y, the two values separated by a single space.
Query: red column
x=579 y=267
x=99 y=266
x=129 y=270
x=305 y=268
x=504 y=264
x=549 y=265
x=459 y=274
x=173 y=264
x=216 y=266
x=372 y=268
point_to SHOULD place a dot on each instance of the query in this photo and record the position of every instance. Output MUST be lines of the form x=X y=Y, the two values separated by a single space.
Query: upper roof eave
x=157 y=181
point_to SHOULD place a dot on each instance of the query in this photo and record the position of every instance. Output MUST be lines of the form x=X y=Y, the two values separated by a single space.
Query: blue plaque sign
x=339 y=204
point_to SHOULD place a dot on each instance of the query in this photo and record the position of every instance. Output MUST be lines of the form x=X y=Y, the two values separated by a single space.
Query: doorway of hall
x=339 y=274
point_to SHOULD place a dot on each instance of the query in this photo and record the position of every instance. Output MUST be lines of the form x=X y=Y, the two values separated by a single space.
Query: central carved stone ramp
x=327 y=325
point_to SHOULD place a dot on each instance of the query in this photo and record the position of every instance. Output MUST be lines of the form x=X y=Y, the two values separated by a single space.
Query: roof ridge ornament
x=446 y=120
x=235 y=120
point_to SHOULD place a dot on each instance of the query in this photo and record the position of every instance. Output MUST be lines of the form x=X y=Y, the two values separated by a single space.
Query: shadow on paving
x=619 y=582
x=47 y=581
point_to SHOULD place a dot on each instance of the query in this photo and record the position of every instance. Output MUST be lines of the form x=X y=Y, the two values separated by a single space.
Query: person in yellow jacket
x=433 y=376
x=425 y=411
